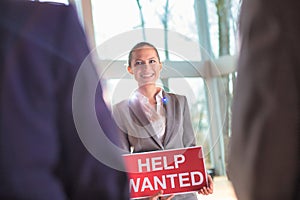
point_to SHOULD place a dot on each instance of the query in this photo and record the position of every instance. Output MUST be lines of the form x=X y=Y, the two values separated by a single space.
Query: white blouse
x=155 y=114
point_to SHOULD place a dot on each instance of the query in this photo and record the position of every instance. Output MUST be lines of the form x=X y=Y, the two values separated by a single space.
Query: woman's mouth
x=149 y=75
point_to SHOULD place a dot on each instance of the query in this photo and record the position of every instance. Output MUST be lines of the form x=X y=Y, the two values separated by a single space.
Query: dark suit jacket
x=264 y=153
x=136 y=130
x=41 y=156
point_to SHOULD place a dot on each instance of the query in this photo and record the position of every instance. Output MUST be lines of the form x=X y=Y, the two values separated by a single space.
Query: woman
x=152 y=119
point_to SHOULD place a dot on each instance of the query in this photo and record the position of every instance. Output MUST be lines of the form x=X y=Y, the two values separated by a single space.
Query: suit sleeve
x=123 y=135
x=264 y=149
x=95 y=168
x=188 y=134
x=29 y=141
x=42 y=156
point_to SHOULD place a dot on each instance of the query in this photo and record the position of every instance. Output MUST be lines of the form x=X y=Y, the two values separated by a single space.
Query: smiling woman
x=113 y=25
x=144 y=63
x=153 y=119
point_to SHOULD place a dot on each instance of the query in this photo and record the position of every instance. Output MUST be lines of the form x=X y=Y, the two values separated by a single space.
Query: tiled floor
x=222 y=190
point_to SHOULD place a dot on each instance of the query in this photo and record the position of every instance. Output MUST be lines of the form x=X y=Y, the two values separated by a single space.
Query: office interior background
x=205 y=71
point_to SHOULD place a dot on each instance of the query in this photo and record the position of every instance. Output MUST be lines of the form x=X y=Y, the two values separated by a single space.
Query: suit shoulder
x=176 y=96
x=33 y=10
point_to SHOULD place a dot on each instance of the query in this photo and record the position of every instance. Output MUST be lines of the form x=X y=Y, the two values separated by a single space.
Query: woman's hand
x=159 y=196
x=208 y=190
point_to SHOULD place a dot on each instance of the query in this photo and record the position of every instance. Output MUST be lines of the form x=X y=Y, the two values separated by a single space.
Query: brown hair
x=139 y=45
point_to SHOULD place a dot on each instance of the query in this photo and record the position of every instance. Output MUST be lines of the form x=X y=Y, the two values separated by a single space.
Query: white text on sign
x=182 y=179
x=159 y=163
x=185 y=179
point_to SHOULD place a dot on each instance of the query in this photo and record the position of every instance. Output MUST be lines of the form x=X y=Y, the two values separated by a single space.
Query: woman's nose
x=146 y=65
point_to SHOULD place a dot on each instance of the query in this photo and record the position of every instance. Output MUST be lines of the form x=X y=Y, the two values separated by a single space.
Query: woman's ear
x=129 y=69
x=160 y=66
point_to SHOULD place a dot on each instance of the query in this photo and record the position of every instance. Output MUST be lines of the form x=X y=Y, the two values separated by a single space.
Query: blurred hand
x=208 y=190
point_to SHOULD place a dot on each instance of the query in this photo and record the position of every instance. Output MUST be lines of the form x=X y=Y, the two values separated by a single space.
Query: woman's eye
x=138 y=63
x=152 y=61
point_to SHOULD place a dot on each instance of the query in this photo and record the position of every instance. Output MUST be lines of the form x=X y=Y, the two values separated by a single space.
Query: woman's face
x=145 y=66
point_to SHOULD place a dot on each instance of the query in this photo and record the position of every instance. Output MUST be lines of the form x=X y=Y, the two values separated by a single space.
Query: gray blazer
x=137 y=132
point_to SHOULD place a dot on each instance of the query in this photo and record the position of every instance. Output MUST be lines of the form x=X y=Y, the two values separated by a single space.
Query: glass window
x=195 y=91
x=116 y=17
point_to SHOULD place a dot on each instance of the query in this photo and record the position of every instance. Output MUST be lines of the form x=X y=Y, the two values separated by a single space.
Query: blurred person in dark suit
x=265 y=145
x=41 y=154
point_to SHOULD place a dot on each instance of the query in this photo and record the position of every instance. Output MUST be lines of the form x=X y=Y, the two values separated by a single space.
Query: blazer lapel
x=139 y=117
x=173 y=115
x=170 y=103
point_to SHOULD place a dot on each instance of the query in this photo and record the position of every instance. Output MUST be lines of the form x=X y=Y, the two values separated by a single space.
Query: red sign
x=173 y=171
